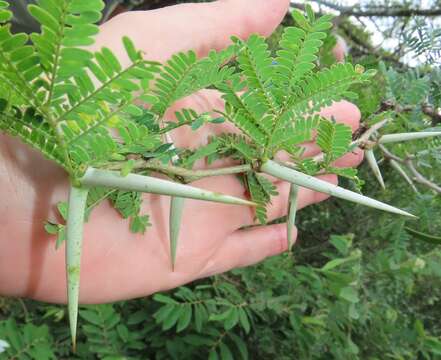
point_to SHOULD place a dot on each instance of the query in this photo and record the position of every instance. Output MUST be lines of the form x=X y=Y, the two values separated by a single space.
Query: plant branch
x=187 y=174
x=366 y=48
x=380 y=11
x=418 y=177
x=427 y=109
x=431 y=112
x=408 y=163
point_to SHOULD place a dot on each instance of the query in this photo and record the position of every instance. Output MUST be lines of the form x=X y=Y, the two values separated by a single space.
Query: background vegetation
x=360 y=284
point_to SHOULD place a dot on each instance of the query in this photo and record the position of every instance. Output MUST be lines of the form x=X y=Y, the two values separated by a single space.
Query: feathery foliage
x=333 y=139
x=80 y=108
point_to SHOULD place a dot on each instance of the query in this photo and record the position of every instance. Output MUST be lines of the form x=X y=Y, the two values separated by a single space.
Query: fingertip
x=343 y=112
x=248 y=247
x=340 y=49
x=242 y=18
x=276 y=241
x=352 y=159
x=279 y=204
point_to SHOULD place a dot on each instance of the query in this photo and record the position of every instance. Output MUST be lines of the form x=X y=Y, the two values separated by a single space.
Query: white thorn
x=272 y=168
x=370 y=157
x=391 y=138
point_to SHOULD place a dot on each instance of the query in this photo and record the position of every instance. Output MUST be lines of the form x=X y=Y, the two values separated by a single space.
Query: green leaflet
x=128 y=204
x=32 y=131
x=201 y=153
x=299 y=132
x=18 y=66
x=261 y=191
x=57 y=44
x=236 y=146
x=247 y=111
x=270 y=95
x=184 y=74
x=5 y=14
x=80 y=109
x=51 y=75
x=256 y=62
x=333 y=139
x=299 y=47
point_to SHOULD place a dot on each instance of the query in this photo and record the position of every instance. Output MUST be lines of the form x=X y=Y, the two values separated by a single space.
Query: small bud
x=359 y=69
x=419 y=264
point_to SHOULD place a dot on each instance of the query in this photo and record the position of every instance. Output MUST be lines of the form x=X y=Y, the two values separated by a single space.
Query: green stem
x=135 y=182
x=190 y=175
x=74 y=239
x=33 y=101
x=57 y=54
x=99 y=89
x=168 y=128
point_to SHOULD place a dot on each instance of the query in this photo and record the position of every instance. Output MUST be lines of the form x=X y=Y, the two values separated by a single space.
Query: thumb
x=198 y=26
x=247 y=247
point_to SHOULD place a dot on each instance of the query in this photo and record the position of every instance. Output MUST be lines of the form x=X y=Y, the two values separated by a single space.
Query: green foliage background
x=358 y=284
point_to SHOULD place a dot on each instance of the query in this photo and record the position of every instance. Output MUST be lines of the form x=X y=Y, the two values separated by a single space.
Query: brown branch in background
x=380 y=11
x=391 y=12
x=420 y=178
x=431 y=112
x=408 y=163
x=427 y=110
x=374 y=12
x=366 y=48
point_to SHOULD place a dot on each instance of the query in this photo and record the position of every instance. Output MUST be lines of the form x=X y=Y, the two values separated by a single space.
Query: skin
x=116 y=264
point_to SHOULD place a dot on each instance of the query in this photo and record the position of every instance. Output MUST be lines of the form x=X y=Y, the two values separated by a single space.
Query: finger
x=279 y=204
x=203 y=101
x=352 y=159
x=247 y=247
x=199 y=27
x=235 y=217
x=340 y=49
x=343 y=112
x=208 y=100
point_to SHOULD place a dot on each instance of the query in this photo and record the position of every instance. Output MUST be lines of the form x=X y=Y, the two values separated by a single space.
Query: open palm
x=117 y=264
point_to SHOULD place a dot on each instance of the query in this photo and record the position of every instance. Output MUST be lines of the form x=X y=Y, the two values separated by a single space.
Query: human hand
x=117 y=264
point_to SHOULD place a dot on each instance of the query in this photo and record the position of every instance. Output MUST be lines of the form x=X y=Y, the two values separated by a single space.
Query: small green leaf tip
x=292 y=211
x=176 y=210
x=74 y=240
x=370 y=157
x=272 y=168
x=391 y=138
x=436 y=240
x=134 y=182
